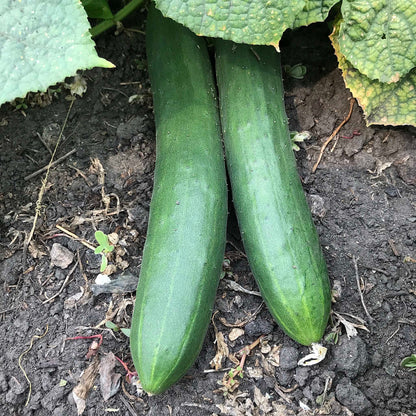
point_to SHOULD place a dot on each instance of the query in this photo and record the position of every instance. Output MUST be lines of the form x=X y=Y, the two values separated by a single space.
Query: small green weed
x=409 y=362
x=104 y=248
x=299 y=137
x=116 y=328
x=297 y=71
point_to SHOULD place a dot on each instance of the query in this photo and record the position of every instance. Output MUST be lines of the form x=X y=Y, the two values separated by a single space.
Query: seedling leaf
x=409 y=362
x=42 y=42
x=297 y=71
x=62 y=382
x=126 y=331
x=101 y=238
x=99 y=250
x=103 y=263
x=112 y=326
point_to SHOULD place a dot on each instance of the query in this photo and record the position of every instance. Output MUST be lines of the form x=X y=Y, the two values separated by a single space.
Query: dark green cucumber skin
x=184 y=248
x=275 y=222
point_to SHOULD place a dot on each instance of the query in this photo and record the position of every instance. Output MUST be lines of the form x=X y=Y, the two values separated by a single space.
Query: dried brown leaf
x=222 y=351
x=78 y=220
x=262 y=401
x=281 y=410
x=254 y=372
x=109 y=379
x=274 y=356
x=113 y=238
x=35 y=250
x=318 y=353
x=231 y=284
x=350 y=327
x=229 y=410
x=267 y=367
x=85 y=384
x=79 y=403
x=331 y=406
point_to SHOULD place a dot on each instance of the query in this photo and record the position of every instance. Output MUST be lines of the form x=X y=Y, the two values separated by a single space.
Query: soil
x=363 y=200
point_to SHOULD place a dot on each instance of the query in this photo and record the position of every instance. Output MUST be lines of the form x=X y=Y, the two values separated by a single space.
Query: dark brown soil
x=363 y=198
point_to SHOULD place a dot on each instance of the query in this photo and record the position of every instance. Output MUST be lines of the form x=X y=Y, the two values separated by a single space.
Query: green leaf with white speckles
x=245 y=21
x=383 y=103
x=42 y=42
x=378 y=37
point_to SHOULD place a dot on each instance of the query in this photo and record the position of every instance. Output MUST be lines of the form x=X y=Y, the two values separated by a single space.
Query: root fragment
x=331 y=137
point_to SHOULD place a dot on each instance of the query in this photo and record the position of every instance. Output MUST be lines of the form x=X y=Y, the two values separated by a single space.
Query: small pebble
x=317 y=205
x=377 y=359
x=61 y=256
x=284 y=377
x=258 y=327
x=3 y=382
x=352 y=397
x=350 y=356
x=288 y=358
x=301 y=375
x=235 y=333
x=317 y=385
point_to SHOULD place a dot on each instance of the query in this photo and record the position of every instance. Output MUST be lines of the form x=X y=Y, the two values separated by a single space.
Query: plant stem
x=120 y=15
x=130 y=374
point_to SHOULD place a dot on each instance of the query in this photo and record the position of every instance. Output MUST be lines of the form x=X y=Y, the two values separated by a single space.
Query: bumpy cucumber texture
x=278 y=233
x=184 y=248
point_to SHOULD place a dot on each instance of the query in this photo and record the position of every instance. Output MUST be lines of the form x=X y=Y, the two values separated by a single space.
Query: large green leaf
x=378 y=37
x=245 y=21
x=313 y=11
x=42 y=42
x=383 y=103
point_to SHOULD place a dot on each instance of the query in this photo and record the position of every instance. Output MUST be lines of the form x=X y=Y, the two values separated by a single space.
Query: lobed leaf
x=313 y=11
x=378 y=37
x=256 y=22
x=383 y=103
x=42 y=42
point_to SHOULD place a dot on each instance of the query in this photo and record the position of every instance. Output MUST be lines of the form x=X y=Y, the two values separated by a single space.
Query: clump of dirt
x=363 y=199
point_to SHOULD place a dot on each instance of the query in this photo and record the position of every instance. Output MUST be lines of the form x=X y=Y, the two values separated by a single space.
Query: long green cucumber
x=185 y=241
x=278 y=233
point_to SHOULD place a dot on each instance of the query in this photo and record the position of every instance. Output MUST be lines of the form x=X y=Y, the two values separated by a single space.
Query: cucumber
x=184 y=248
x=276 y=226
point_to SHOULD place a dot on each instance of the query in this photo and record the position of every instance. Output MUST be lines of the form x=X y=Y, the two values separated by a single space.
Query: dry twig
x=50 y=165
x=240 y=324
x=399 y=322
x=357 y=278
x=334 y=133
x=63 y=285
x=21 y=357
x=229 y=380
x=231 y=284
x=75 y=237
x=43 y=188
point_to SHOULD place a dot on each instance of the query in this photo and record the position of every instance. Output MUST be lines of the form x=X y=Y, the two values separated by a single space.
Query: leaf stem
x=120 y=15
